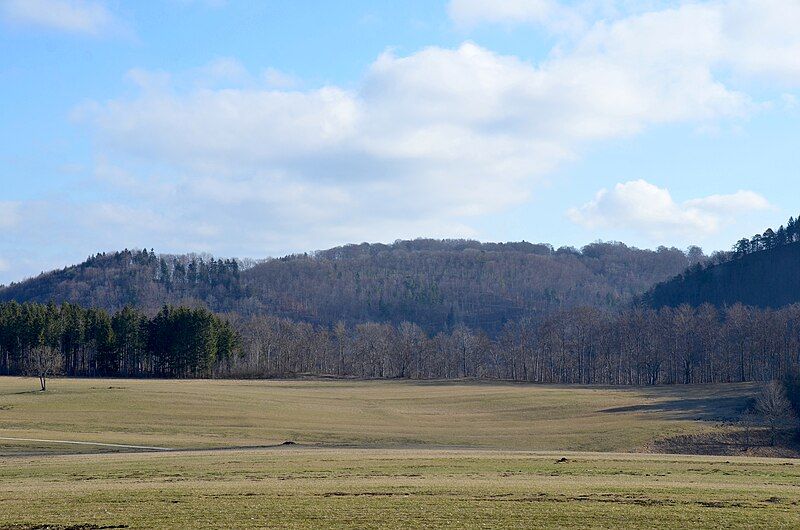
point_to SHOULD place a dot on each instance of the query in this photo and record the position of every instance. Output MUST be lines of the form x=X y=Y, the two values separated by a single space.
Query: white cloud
x=4 y=265
x=90 y=17
x=750 y=37
x=646 y=209
x=741 y=201
x=218 y=159
x=439 y=135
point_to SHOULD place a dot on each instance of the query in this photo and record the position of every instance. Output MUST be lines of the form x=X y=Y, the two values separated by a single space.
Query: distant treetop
x=769 y=239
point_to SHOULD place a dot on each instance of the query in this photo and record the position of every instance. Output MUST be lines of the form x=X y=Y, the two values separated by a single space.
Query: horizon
x=294 y=130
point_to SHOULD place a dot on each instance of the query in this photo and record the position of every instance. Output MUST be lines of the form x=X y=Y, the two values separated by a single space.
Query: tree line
x=638 y=346
x=175 y=342
x=770 y=239
x=585 y=345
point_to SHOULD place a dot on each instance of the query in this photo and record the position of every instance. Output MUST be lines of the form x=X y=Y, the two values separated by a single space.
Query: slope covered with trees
x=435 y=284
x=763 y=271
x=137 y=278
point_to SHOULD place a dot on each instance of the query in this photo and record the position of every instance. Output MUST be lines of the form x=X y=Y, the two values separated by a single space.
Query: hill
x=434 y=283
x=762 y=272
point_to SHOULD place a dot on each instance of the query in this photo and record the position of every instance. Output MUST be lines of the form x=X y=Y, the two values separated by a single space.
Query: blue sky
x=261 y=128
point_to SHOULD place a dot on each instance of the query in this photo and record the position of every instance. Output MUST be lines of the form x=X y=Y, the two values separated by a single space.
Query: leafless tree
x=774 y=408
x=42 y=362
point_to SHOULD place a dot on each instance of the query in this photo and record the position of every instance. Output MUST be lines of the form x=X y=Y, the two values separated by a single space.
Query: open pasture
x=199 y=414
x=375 y=454
x=396 y=488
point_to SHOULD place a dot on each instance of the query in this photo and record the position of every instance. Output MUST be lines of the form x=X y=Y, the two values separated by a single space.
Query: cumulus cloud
x=218 y=158
x=641 y=207
x=439 y=135
x=90 y=17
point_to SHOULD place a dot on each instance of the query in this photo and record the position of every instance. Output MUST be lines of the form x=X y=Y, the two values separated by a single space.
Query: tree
x=742 y=247
x=130 y=340
x=775 y=409
x=791 y=383
x=411 y=340
x=43 y=361
x=792 y=230
x=695 y=255
x=768 y=239
x=228 y=342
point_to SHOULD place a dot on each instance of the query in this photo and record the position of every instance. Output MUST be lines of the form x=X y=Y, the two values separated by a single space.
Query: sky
x=255 y=129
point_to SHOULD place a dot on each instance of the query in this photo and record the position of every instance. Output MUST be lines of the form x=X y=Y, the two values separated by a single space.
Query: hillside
x=767 y=278
x=434 y=283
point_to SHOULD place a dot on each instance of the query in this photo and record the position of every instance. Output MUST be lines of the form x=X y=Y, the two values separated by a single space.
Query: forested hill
x=768 y=278
x=436 y=284
x=762 y=271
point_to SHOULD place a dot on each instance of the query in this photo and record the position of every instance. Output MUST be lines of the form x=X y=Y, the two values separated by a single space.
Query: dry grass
x=202 y=414
x=432 y=455
x=370 y=488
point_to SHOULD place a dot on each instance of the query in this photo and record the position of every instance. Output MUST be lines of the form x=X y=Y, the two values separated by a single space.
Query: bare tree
x=775 y=409
x=43 y=361
x=410 y=343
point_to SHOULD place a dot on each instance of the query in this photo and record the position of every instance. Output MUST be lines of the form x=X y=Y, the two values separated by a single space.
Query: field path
x=72 y=442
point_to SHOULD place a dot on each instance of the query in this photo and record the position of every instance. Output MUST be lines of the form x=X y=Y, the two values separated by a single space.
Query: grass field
x=204 y=414
x=376 y=454
x=367 y=488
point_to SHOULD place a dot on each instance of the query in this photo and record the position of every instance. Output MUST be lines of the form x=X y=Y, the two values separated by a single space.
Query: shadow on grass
x=714 y=408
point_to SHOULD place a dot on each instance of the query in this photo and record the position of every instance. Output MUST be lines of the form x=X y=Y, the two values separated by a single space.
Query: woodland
x=422 y=309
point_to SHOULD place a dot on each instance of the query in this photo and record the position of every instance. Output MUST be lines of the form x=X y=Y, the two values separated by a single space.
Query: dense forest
x=762 y=271
x=176 y=342
x=581 y=345
x=435 y=284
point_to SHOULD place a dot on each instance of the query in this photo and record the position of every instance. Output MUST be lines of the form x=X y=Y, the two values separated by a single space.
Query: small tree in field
x=43 y=361
x=775 y=409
